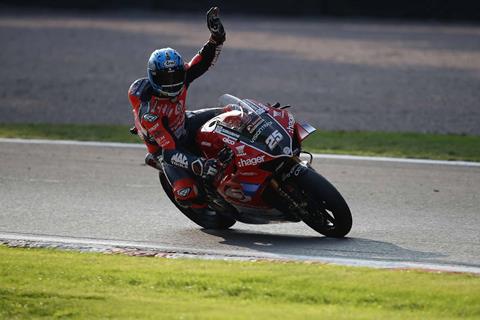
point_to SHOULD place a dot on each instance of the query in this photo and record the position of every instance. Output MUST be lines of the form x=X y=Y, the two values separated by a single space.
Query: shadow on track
x=350 y=248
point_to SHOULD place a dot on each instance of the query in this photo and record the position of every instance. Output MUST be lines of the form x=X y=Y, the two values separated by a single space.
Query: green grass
x=40 y=283
x=407 y=145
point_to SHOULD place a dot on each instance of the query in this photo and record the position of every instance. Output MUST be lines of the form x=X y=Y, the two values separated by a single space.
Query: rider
x=162 y=122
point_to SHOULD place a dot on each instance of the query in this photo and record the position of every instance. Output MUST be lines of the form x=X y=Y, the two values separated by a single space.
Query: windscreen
x=256 y=127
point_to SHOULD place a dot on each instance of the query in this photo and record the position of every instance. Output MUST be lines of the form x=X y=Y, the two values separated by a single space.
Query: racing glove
x=205 y=168
x=215 y=26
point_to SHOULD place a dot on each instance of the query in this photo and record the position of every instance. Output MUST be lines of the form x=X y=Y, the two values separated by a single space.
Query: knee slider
x=186 y=192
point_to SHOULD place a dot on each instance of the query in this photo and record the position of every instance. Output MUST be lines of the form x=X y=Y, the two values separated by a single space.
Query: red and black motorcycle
x=263 y=180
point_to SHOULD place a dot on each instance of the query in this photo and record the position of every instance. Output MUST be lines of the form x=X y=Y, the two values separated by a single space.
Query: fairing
x=257 y=135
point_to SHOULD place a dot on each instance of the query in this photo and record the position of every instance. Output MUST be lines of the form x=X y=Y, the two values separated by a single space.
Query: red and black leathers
x=163 y=125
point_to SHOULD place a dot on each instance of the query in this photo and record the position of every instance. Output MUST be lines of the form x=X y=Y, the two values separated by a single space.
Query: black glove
x=205 y=168
x=215 y=26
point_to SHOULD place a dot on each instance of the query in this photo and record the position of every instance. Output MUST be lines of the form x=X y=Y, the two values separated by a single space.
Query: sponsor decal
x=225 y=132
x=150 y=117
x=260 y=130
x=183 y=192
x=294 y=171
x=287 y=150
x=163 y=141
x=228 y=141
x=277 y=113
x=180 y=160
x=291 y=123
x=241 y=150
x=169 y=64
x=273 y=139
x=251 y=162
x=254 y=125
x=258 y=108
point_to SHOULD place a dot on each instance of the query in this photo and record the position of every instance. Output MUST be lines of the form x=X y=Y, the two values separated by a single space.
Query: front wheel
x=327 y=211
x=205 y=218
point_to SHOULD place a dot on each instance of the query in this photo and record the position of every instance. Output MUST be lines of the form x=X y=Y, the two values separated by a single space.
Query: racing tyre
x=209 y=219
x=328 y=213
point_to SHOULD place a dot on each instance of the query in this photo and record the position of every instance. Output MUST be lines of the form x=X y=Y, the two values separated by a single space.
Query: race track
x=407 y=212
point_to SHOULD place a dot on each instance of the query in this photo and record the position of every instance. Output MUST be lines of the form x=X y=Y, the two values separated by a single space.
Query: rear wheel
x=205 y=218
x=328 y=213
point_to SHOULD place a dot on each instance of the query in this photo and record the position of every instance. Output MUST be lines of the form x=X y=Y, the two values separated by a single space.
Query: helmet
x=166 y=72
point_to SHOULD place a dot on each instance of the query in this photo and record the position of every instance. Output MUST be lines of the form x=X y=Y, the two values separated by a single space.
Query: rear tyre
x=208 y=219
x=328 y=213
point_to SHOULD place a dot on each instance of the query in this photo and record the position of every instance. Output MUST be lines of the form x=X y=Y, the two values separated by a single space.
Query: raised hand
x=215 y=25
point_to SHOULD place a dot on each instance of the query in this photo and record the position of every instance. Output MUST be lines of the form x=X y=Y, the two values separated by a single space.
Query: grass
x=406 y=145
x=41 y=283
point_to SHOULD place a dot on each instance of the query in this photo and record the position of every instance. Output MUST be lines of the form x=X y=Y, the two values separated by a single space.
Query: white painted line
x=315 y=155
x=399 y=160
x=95 y=245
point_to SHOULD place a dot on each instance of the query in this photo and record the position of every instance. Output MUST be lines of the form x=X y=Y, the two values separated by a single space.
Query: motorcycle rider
x=161 y=119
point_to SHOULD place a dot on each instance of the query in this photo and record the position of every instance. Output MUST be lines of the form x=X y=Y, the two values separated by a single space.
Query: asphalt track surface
x=339 y=74
x=403 y=212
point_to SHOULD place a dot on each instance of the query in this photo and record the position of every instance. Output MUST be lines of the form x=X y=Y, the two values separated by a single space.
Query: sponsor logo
x=258 y=107
x=225 y=132
x=169 y=64
x=228 y=141
x=251 y=162
x=163 y=141
x=180 y=160
x=183 y=192
x=150 y=117
x=240 y=150
x=277 y=113
x=294 y=171
x=291 y=123
x=260 y=130
x=254 y=125
x=287 y=150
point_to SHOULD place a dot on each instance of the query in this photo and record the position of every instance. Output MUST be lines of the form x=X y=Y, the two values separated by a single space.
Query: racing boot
x=153 y=161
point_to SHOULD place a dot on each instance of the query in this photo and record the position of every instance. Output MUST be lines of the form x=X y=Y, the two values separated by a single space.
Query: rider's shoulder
x=141 y=88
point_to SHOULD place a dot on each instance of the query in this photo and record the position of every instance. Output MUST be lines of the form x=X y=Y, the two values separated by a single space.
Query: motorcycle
x=262 y=178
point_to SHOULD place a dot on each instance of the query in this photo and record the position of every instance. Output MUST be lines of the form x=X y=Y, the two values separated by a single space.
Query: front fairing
x=256 y=127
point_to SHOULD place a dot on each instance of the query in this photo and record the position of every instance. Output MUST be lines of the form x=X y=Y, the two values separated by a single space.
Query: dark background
x=421 y=9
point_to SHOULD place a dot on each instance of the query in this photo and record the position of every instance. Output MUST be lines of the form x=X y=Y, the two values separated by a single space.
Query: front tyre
x=328 y=213
x=207 y=219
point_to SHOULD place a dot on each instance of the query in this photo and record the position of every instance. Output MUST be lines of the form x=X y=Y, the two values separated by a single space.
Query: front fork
x=287 y=192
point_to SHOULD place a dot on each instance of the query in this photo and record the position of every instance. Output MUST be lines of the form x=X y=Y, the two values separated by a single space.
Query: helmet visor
x=168 y=78
x=168 y=82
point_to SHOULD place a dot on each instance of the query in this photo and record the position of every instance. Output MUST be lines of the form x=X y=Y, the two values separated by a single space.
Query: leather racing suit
x=168 y=130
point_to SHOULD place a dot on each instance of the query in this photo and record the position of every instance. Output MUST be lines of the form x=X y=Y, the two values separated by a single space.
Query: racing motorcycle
x=262 y=177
